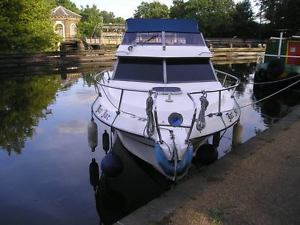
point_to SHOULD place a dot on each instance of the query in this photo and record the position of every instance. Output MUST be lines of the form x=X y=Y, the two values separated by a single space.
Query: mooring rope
x=150 y=118
x=275 y=81
x=200 y=125
x=271 y=95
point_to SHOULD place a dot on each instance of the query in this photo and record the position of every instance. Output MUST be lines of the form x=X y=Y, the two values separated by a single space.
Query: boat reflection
x=118 y=196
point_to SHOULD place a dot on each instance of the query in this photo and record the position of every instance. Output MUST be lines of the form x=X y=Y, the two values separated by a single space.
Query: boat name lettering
x=236 y=111
x=230 y=116
x=105 y=115
x=100 y=109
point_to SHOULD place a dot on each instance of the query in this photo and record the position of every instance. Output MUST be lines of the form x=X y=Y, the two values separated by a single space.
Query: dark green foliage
x=223 y=18
x=214 y=16
x=280 y=14
x=25 y=26
x=243 y=21
x=109 y=17
x=152 y=10
x=178 y=9
x=68 y=4
x=93 y=19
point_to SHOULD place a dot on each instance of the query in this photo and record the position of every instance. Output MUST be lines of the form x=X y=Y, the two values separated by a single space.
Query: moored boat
x=281 y=59
x=163 y=99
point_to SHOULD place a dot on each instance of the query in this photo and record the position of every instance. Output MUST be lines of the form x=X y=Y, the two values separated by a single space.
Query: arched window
x=59 y=29
x=73 y=30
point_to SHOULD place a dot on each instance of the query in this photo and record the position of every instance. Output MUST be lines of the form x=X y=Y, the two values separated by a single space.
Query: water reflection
x=260 y=115
x=113 y=195
x=23 y=101
x=57 y=179
x=135 y=186
x=276 y=107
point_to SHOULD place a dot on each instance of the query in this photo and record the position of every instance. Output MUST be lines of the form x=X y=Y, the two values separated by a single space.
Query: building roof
x=156 y=25
x=61 y=11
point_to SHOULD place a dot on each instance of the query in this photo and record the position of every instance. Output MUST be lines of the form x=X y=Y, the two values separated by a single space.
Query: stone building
x=65 y=22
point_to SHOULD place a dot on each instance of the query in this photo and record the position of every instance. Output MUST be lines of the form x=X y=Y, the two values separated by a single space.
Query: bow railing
x=103 y=78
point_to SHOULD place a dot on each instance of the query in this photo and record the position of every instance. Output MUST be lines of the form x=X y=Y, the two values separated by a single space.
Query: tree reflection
x=22 y=102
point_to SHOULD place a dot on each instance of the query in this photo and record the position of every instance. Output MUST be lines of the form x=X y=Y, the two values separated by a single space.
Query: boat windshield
x=151 y=70
x=171 y=38
x=140 y=69
x=189 y=70
x=184 y=39
x=149 y=38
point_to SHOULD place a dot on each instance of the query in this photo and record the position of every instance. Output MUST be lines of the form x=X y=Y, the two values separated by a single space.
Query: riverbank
x=74 y=61
x=257 y=183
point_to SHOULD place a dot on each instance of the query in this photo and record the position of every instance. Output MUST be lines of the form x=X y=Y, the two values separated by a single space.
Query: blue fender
x=168 y=166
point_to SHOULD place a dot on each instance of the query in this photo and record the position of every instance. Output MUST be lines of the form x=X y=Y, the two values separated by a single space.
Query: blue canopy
x=156 y=25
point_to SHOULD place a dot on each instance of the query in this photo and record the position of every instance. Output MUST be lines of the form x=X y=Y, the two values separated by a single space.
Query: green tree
x=67 y=4
x=290 y=15
x=152 y=10
x=243 y=20
x=109 y=17
x=25 y=26
x=91 y=21
x=178 y=9
x=214 y=16
x=279 y=14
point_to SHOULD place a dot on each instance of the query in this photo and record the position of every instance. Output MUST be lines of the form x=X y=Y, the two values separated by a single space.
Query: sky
x=122 y=8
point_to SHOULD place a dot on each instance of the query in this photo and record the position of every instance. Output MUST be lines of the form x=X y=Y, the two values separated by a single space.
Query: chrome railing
x=104 y=83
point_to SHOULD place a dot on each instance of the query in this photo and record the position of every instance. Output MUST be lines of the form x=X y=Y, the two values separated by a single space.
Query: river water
x=45 y=161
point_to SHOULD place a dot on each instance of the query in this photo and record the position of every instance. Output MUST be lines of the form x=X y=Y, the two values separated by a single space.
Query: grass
x=216 y=216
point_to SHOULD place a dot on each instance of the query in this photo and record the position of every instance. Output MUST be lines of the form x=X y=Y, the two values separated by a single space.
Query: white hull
x=144 y=149
x=164 y=97
x=130 y=123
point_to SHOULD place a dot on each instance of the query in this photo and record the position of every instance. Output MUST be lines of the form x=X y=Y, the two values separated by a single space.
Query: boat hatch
x=167 y=90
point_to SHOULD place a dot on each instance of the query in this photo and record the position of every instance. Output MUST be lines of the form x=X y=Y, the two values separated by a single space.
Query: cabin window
x=184 y=39
x=140 y=69
x=189 y=69
x=149 y=38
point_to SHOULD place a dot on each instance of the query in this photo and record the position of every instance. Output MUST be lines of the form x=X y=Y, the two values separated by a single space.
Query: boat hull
x=171 y=150
x=147 y=150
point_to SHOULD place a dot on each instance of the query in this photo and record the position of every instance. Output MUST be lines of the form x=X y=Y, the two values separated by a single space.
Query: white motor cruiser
x=163 y=98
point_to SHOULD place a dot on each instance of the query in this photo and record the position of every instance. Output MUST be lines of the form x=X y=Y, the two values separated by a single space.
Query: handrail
x=237 y=82
x=189 y=94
